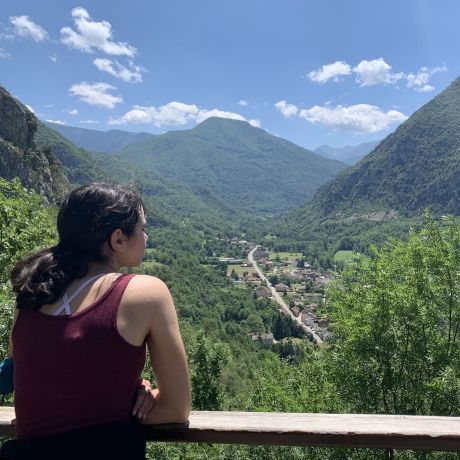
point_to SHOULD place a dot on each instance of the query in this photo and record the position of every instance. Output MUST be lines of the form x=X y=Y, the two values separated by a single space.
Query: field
x=239 y=270
x=286 y=255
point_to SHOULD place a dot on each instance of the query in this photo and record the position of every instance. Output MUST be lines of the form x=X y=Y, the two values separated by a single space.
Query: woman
x=81 y=330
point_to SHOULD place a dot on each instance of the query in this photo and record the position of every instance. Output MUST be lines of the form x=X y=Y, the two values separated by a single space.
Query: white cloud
x=287 y=110
x=256 y=123
x=23 y=26
x=4 y=54
x=330 y=71
x=73 y=112
x=419 y=81
x=360 y=118
x=375 y=72
x=92 y=35
x=205 y=114
x=90 y=122
x=58 y=122
x=243 y=102
x=425 y=89
x=174 y=113
x=30 y=108
x=131 y=75
x=53 y=57
x=96 y=94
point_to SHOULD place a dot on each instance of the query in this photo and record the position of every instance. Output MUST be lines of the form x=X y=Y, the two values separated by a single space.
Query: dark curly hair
x=86 y=220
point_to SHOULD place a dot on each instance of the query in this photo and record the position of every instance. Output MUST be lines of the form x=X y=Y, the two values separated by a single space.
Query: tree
x=397 y=317
x=209 y=361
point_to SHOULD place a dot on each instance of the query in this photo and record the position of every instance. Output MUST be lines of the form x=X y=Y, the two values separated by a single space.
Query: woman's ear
x=118 y=241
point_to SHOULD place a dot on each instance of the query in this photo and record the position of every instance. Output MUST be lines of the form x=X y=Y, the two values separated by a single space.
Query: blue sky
x=314 y=72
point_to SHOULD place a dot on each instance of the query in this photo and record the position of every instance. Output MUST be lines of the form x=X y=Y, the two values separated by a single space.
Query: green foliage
x=397 y=325
x=26 y=225
x=209 y=361
x=284 y=326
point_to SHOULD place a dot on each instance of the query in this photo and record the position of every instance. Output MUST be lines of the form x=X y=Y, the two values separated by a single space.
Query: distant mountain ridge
x=385 y=194
x=416 y=167
x=244 y=167
x=349 y=154
x=98 y=141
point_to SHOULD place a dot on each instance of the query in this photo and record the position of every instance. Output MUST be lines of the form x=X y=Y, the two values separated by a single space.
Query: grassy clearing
x=240 y=270
x=286 y=255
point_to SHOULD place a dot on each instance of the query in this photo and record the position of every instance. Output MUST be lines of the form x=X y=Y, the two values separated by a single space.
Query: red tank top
x=74 y=371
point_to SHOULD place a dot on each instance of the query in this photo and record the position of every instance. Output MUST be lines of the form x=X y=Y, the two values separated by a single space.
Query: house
x=301 y=289
x=260 y=253
x=281 y=288
x=295 y=311
x=262 y=292
x=266 y=339
x=255 y=275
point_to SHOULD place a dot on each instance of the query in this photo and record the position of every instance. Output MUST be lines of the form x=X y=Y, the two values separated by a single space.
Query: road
x=281 y=302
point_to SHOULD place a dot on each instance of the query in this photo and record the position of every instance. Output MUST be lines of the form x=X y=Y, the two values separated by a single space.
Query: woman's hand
x=145 y=400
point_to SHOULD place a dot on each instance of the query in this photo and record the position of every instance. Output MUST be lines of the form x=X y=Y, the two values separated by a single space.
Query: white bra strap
x=66 y=299
x=65 y=306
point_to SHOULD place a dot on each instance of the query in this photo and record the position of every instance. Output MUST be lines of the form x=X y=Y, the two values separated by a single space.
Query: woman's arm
x=167 y=353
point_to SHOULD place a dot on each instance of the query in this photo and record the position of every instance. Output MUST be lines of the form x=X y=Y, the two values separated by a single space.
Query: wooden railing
x=293 y=429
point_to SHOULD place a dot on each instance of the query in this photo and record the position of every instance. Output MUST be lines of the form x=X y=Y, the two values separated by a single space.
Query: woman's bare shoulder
x=145 y=291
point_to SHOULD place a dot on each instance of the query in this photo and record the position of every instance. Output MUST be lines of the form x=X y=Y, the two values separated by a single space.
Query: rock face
x=19 y=155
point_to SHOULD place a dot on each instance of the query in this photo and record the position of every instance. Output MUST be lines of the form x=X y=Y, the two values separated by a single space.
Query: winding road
x=281 y=302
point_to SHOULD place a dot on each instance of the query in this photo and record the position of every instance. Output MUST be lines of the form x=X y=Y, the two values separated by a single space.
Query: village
x=300 y=285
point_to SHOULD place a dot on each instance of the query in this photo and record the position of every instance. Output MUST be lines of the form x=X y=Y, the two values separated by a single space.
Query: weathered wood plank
x=326 y=430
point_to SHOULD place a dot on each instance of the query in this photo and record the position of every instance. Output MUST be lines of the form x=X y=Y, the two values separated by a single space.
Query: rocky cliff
x=20 y=157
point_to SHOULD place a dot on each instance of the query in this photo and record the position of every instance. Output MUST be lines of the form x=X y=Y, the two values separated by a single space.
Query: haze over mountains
x=98 y=141
x=348 y=154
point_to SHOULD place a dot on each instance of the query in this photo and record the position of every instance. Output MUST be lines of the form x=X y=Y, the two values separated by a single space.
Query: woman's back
x=74 y=371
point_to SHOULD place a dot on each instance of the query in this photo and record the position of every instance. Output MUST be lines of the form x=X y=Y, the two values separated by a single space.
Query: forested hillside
x=244 y=167
x=415 y=168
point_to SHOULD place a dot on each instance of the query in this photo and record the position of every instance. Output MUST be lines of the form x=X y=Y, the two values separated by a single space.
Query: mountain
x=20 y=156
x=349 y=155
x=244 y=167
x=416 y=167
x=385 y=194
x=169 y=201
x=47 y=162
x=98 y=141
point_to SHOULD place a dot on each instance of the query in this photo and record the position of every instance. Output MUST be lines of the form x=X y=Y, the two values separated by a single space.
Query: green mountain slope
x=417 y=166
x=244 y=167
x=170 y=202
x=98 y=141
x=414 y=168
